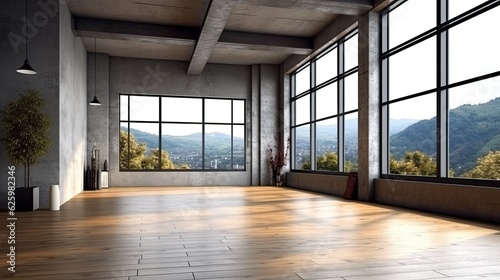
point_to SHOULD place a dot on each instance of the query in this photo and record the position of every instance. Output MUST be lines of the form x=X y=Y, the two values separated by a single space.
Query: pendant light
x=95 y=102
x=26 y=68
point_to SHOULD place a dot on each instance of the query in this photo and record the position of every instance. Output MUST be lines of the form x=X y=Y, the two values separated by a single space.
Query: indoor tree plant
x=26 y=131
x=277 y=160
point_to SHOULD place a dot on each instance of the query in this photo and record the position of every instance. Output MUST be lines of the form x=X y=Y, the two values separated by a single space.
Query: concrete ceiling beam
x=215 y=20
x=265 y=42
x=143 y=32
x=345 y=7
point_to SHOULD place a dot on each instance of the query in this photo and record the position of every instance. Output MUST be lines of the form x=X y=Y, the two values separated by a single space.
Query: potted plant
x=277 y=160
x=26 y=134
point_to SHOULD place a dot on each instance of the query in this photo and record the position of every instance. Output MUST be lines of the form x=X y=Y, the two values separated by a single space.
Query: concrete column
x=266 y=119
x=369 y=103
x=255 y=126
x=285 y=112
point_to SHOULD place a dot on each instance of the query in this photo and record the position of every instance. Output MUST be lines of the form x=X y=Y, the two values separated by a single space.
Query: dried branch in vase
x=278 y=157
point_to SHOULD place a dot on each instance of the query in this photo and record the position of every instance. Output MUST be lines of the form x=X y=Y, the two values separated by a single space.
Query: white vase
x=55 y=198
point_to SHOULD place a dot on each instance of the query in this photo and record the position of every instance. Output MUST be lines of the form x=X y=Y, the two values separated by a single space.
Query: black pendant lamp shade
x=95 y=102
x=26 y=68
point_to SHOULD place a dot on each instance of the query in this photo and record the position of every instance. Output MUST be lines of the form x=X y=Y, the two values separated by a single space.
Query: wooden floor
x=244 y=233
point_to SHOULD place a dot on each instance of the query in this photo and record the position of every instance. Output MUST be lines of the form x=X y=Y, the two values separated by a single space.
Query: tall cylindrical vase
x=55 y=198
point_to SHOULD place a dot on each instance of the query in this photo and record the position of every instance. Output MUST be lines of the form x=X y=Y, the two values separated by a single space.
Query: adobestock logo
x=33 y=23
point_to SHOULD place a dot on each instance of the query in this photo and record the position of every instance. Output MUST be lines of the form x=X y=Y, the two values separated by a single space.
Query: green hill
x=473 y=131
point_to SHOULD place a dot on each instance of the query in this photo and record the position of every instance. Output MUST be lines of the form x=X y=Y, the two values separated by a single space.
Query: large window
x=165 y=133
x=324 y=108
x=441 y=89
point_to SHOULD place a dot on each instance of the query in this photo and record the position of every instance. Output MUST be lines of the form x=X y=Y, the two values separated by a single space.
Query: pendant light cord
x=26 y=29
x=95 y=67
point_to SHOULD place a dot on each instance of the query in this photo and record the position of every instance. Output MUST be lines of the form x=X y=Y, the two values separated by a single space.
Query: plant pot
x=27 y=199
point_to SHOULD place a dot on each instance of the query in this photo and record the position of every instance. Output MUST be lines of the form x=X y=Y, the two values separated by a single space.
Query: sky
x=473 y=51
x=179 y=109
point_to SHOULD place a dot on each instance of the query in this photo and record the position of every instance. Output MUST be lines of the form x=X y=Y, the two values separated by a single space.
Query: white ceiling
x=202 y=31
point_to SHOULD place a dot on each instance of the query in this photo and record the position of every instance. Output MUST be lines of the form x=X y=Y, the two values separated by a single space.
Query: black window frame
x=440 y=31
x=203 y=123
x=310 y=93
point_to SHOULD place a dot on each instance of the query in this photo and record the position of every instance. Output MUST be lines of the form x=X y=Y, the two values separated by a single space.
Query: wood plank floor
x=244 y=233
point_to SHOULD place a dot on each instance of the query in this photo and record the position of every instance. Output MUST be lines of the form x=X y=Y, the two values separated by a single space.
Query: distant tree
x=137 y=151
x=487 y=167
x=138 y=158
x=328 y=161
x=306 y=165
x=414 y=163
x=152 y=161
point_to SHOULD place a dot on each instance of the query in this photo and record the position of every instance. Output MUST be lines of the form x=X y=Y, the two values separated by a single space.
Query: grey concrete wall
x=44 y=58
x=98 y=116
x=322 y=183
x=478 y=203
x=72 y=108
x=128 y=75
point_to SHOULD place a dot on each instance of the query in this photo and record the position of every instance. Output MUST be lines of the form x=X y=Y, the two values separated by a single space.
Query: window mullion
x=312 y=105
x=160 y=151
x=341 y=107
x=442 y=92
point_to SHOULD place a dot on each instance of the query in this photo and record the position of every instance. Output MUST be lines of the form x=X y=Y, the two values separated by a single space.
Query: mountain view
x=188 y=149
x=473 y=131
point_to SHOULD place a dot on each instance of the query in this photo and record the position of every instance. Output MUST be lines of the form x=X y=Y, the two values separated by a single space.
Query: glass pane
x=457 y=7
x=123 y=107
x=218 y=110
x=326 y=145
x=474 y=130
x=217 y=146
x=326 y=67
x=144 y=145
x=326 y=101
x=178 y=109
x=410 y=19
x=302 y=80
x=351 y=142
x=413 y=70
x=303 y=147
x=182 y=146
x=351 y=92
x=144 y=108
x=238 y=111
x=238 y=147
x=303 y=110
x=413 y=149
x=472 y=57
x=351 y=53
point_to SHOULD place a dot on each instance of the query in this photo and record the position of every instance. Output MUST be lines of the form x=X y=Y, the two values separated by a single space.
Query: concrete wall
x=98 y=116
x=322 y=183
x=44 y=58
x=478 y=203
x=473 y=202
x=128 y=75
x=72 y=108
